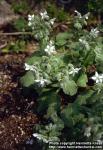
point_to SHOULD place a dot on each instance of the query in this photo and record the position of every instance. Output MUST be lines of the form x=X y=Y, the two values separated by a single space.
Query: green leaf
x=99 y=57
x=68 y=121
x=78 y=25
x=71 y=114
x=52 y=113
x=20 y=24
x=33 y=59
x=67 y=115
x=28 y=79
x=84 y=97
x=69 y=87
x=47 y=99
x=61 y=38
x=82 y=81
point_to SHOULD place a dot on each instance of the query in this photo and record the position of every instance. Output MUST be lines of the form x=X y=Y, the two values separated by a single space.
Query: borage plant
x=67 y=73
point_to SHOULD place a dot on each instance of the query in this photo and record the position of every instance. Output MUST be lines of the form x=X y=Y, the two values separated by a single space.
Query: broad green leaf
x=69 y=87
x=82 y=81
x=61 y=42
x=28 y=79
x=61 y=38
x=33 y=59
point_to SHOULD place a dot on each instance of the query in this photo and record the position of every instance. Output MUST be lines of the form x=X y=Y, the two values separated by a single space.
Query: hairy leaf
x=82 y=81
x=28 y=79
x=69 y=87
x=61 y=38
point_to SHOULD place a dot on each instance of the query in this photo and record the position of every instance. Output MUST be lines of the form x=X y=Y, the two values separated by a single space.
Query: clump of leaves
x=60 y=15
x=96 y=6
x=20 y=6
x=51 y=70
x=20 y=24
x=17 y=46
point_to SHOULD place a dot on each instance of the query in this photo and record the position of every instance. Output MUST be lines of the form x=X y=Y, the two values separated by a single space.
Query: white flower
x=87 y=132
x=78 y=14
x=86 y=16
x=42 y=82
x=85 y=43
x=29 y=23
x=40 y=137
x=30 y=17
x=94 y=32
x=30 y=67
x=44 y=15
x=50 y=49
x=73 y=71
x=52 y=21
x=98 y=78
x=36 y=36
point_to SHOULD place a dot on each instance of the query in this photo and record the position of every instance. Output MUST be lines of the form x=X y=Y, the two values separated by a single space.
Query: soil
x=16 y=109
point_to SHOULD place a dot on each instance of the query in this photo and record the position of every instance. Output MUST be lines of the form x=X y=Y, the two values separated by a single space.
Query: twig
x=3 y=45
x=16 y=33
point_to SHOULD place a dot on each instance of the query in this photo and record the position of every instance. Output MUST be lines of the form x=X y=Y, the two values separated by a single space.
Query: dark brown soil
x=16 y=110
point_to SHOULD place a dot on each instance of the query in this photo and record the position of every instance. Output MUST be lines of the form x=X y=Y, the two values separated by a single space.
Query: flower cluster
x=30 y=67
x=80 y=20
x=80 y=16
x=98 y=78
x=85 y=43
x=50 y=48
x=94 y=32
x=42 y=82
x=41 y=25
x=44 y=15
x=31 y=20
x=74 y=71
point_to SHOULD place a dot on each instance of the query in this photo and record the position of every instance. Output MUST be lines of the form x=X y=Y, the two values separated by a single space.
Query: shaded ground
x=16 y=110
x=6 y=13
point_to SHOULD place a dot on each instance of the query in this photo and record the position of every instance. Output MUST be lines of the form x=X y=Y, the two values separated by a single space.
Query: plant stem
x=16 y=33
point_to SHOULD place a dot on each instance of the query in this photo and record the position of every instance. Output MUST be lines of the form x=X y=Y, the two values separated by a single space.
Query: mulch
x=16 y=109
